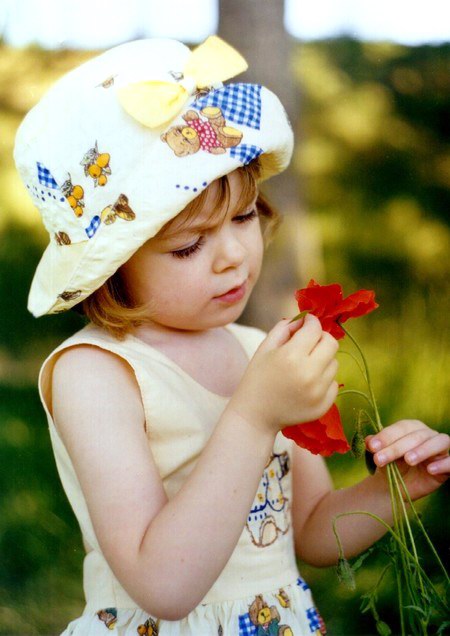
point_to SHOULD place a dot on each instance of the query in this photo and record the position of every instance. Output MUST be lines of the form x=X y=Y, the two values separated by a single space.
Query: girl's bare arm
x=315 y=503
x=167 y=554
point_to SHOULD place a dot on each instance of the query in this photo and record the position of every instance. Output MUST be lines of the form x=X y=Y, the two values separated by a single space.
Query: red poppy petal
x=358 y=304
x=323 y=436
x=326 y=302
x=320 y=298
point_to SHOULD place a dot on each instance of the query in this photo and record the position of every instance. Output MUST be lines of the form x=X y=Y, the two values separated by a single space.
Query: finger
x=325 y=350
x=404 y=446
x=330 y=396
x=389 y=434
x=296 y=324
x=329 y=373
x=440 y=465
x=279 y=334
x=306 y=338
x=436 y=445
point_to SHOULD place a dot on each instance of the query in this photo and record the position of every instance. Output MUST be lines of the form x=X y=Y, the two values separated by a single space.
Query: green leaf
x=415 y=608
x=300 y=315
x=366 y=603
x=370 y=464
x=383 y=628
x=442 y=628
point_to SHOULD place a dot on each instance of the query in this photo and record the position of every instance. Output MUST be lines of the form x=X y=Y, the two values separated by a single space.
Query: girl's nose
x=230 y=251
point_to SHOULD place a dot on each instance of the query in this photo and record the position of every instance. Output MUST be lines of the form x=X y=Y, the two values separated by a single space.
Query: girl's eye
x=187 y=251
x=243 y=218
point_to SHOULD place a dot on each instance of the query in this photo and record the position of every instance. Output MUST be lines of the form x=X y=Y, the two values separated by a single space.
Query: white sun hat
x=120 y=145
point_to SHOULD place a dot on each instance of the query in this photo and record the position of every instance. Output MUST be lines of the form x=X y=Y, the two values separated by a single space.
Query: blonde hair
x=110 y=306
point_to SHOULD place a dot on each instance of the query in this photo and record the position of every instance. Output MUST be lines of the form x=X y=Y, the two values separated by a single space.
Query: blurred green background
x=373 y=164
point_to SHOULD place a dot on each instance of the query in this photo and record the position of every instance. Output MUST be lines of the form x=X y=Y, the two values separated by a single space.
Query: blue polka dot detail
x=187 y=187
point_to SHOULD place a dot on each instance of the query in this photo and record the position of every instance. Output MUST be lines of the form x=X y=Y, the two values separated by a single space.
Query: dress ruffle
x=287 y=611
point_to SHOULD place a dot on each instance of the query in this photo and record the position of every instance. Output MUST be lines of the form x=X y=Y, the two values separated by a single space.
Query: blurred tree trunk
x=255 y=28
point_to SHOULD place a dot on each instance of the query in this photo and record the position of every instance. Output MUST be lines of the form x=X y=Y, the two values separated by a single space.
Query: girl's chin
x=222 y=318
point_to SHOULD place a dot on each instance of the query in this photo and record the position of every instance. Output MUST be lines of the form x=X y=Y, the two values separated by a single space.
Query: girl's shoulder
x=89 y=352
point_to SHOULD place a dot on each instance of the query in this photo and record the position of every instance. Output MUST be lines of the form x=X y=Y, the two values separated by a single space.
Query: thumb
x=280 y=334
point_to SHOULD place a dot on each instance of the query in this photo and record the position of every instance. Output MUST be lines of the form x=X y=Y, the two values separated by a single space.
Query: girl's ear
x=163 y=137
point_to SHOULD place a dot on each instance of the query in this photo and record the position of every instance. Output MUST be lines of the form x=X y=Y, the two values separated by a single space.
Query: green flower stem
x=355 y=392
x=404 y=549
x=408 y=525
x=370 y=418
x=369 y=384
x=410 y=574
x=383 y=523
x=398 y=582
x=357 y=362
x=419 y=521
x=400 y=558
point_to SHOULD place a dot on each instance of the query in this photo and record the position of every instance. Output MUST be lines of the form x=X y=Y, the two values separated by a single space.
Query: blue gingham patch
x=302 y=583
x=313 y=618
x=93 y=226
x=245 y=153
x=239 y=103
x=246 y=627
x=45 y=176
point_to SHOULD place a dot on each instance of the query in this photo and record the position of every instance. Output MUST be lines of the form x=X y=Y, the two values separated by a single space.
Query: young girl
x=164 y=413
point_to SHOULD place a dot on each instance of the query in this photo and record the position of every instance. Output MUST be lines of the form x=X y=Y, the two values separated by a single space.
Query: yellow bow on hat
x=154 y=103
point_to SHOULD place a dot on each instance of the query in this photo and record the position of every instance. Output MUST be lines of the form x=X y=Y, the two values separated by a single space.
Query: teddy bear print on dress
x=207 y=132
x=269 y=516
x=262 y=620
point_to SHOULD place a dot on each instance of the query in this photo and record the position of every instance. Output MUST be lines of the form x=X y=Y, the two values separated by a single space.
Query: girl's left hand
x=421 y=453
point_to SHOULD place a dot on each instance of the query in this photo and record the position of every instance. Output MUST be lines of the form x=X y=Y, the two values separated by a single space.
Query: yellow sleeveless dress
x=260 y=591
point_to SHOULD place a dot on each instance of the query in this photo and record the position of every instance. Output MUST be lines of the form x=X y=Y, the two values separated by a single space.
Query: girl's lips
x=235 y=294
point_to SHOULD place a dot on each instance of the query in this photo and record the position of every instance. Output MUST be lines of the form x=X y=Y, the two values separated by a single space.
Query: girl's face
x=202 y=276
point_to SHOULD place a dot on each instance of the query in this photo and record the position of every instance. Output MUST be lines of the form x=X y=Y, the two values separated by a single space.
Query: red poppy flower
x=326 y=302
x=321 y=437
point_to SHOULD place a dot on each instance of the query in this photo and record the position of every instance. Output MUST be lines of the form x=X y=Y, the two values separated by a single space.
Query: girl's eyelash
x=242 y=218
x=187 y=251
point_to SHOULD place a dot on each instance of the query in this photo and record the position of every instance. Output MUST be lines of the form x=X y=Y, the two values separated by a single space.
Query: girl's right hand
x=290 y=379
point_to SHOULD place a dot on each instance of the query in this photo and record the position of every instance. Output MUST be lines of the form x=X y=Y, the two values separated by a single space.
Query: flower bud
x=345 y=573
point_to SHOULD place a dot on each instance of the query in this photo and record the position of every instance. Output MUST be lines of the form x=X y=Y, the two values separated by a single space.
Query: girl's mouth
x=233 y=295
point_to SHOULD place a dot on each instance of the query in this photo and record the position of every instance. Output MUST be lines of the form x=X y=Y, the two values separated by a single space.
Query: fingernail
x=375 y=444
x=381 y=458
x=433 y=468
x=411 y=458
